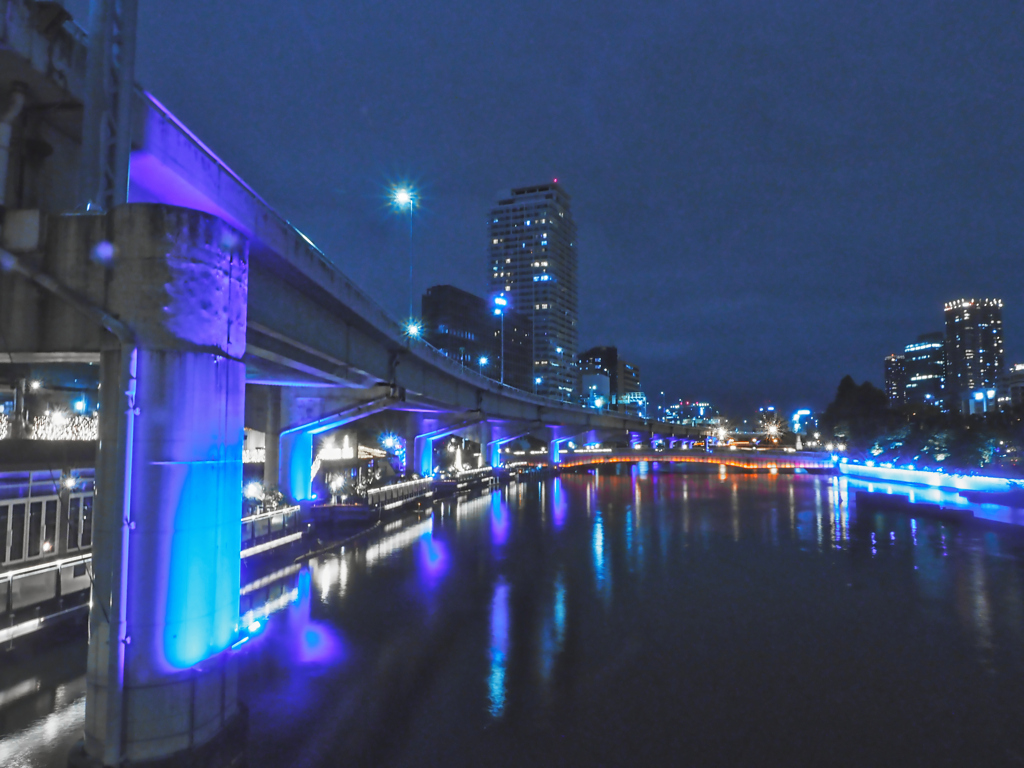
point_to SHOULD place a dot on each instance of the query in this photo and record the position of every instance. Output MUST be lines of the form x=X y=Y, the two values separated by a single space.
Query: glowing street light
x=500 y=307
x=413 y=329
x=406 y=199
x=402 y=197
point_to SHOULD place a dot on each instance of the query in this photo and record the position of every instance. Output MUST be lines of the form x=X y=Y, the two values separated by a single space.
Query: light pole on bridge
x=405 y=198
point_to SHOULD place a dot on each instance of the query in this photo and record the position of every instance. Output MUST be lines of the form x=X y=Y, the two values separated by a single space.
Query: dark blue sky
x=769 y=195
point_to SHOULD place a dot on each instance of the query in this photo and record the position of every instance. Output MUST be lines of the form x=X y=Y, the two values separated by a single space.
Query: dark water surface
x=633 y=619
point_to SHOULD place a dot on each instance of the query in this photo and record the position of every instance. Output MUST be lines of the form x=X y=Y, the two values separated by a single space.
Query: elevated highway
x=207 y=312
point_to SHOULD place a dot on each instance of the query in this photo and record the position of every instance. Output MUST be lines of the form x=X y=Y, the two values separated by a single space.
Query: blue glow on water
x=498 y=649
x=598 y=546
x=560 y=608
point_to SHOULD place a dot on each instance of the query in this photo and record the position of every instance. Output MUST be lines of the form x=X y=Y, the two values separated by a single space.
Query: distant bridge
x=748 y=461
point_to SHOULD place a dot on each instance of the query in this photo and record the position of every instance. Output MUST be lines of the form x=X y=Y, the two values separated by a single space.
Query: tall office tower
x=534 y=263
x=895 y=380
x=924 y=365
x=974 y=348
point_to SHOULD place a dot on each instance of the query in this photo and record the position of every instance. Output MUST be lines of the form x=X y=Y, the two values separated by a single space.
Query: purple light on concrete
x=199 y=143
x=151 y=181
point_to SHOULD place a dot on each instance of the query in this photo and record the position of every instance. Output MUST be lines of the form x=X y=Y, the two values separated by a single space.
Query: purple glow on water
x=559 y=504
x=499 y=519
x=312 y=642
x=433 y=558
x=317 y=644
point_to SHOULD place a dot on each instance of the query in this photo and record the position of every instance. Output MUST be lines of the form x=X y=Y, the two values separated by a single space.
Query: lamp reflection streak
x=388 y=545
x=499 y=648
x=559 y=504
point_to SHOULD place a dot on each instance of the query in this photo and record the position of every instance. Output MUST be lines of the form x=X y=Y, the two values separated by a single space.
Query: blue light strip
x=929 y=479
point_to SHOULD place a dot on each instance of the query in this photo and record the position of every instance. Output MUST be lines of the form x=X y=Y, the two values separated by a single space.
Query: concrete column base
x=226 y=750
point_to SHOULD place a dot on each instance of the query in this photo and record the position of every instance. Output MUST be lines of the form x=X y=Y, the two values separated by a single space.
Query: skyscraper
x=895 y=380
x=974 y=348
x=925 y=364
x=534 y=263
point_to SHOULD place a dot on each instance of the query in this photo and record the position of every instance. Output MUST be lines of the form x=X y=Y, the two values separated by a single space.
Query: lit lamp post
x=483 y=363
x=500 y=305
x=406 y=199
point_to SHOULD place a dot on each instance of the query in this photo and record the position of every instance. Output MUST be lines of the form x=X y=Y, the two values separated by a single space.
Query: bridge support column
x=295 y=464
x=167 y=538
x=501 y=435
x=425 y=432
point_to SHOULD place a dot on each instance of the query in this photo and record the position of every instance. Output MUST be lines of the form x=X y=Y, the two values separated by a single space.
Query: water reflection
x=499 y=519
x=501 y=607
x=559 y=503
x=314 y=642
x=499 y=648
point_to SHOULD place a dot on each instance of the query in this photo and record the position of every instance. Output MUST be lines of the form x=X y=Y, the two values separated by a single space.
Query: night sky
x=769 y=194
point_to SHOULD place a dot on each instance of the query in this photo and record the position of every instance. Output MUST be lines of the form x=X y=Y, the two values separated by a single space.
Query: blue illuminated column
x=423 y=455
x=555 y=449
x=500 y=437
x=167 y=535
x=296 y=464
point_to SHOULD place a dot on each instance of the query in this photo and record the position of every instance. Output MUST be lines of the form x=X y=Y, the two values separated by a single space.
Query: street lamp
x=500 y=305
x=483 y=362
x=413 y=329
x=406 y=199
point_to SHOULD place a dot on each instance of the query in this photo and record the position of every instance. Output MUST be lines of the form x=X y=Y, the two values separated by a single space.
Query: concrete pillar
x=167 y=537
x=424 y=431
x=272 y=449
x=423 y=455
x=295 y=465
x=554 y=450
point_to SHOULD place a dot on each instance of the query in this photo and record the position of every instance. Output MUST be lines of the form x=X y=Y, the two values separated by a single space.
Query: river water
x=629 y=618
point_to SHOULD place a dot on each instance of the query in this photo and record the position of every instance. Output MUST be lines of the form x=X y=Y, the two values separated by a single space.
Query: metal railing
x=399 y=491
